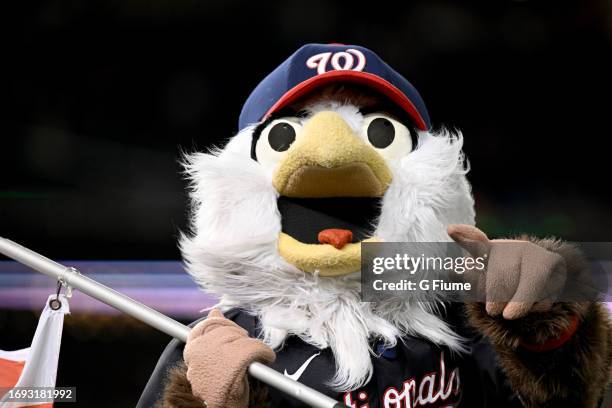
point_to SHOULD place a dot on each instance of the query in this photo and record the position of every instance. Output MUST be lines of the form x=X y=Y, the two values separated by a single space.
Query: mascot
x=336 y=148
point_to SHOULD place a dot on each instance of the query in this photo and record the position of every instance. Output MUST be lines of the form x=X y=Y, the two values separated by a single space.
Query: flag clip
x=56 y=304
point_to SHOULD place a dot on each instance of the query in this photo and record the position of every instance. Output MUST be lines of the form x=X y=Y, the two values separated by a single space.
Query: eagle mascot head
x=335 y=148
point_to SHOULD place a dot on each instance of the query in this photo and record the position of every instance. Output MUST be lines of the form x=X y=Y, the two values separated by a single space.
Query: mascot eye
x=388 y=136
x=275 y=139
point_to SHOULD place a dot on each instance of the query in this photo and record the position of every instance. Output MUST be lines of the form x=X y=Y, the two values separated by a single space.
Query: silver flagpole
x=71 y=277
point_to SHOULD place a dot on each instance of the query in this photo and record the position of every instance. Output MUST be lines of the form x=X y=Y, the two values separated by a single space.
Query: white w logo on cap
x=340 y=61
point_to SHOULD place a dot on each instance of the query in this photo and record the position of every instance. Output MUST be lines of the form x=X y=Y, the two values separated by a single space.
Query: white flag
x=35 y=366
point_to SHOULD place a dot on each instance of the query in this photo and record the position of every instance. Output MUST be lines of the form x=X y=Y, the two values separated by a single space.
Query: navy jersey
x=415 y=373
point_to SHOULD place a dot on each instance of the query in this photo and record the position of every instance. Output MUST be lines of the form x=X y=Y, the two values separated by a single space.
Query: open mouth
x=330 y=184
x=304 y=218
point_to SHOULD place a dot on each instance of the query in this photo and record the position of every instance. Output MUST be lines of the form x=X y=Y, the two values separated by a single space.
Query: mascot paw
x=521 y=277
x=218 y=353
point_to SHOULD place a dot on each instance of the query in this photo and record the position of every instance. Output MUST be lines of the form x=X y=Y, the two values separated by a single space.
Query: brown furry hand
x=520 y=277
x=218 y=353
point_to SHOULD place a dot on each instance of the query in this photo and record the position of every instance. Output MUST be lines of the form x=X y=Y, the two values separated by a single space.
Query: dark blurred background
x=103 y=97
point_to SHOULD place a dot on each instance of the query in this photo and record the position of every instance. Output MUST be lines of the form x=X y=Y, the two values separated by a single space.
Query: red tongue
x=336 y=237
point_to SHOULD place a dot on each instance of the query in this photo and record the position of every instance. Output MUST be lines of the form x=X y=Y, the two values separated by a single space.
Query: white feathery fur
x=232 y=249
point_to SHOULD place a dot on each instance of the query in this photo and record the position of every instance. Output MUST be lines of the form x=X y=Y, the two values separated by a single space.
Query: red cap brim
x=372 y=81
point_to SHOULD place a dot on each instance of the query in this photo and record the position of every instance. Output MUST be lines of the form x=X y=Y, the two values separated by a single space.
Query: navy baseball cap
x=316 y=65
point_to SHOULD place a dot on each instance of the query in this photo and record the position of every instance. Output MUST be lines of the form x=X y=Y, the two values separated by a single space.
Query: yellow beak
x=328 y=160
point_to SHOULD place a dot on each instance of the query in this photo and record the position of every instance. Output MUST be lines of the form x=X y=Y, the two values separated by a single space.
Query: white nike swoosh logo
x=296 y=376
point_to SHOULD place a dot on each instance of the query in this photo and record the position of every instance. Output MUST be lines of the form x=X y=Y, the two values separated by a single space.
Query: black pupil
x=381 y=133
x=281 y=136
